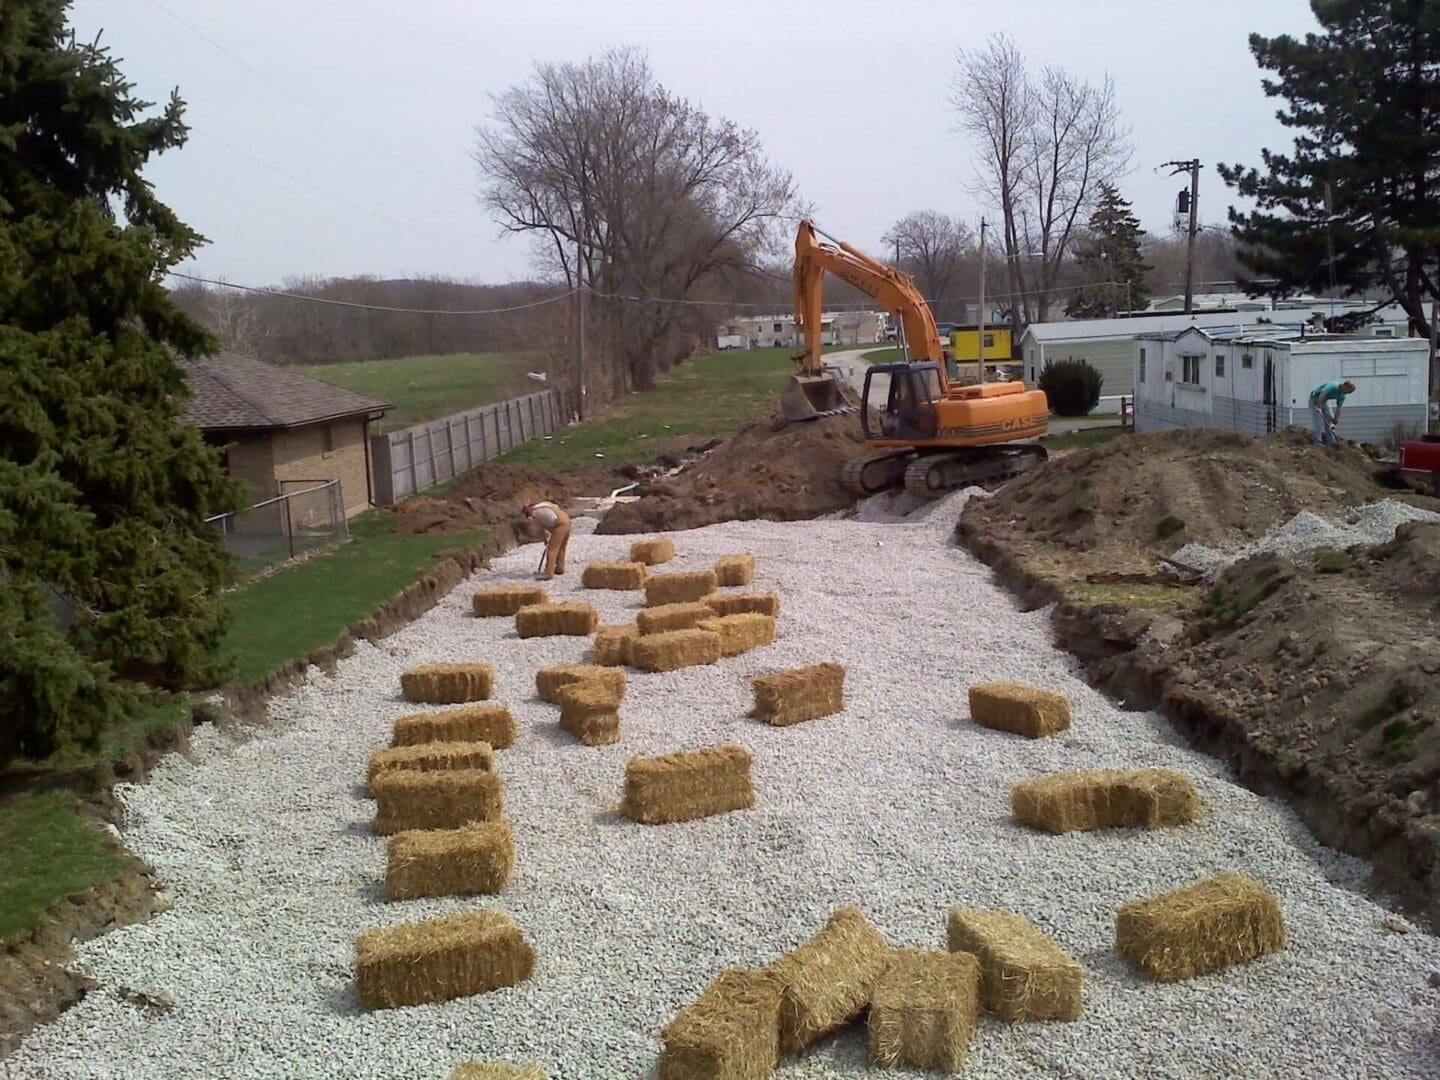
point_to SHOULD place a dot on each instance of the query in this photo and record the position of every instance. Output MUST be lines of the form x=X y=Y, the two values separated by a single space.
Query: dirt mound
x=770 y=469
x=1117 y=506
x=491 y=497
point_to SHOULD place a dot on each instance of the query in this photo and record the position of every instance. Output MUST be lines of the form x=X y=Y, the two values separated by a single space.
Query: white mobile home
x=1260 y=384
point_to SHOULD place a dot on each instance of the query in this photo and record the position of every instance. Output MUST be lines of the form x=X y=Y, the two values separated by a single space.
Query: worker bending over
x=1322 y=420
x=556 y=524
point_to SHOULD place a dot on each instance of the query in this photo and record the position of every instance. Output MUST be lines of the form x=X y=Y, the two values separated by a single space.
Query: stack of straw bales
x=1105 y=799
x=432 y=757
x=621 y=576
x=491 y=724
x=484 y=1070
x=548 y=681
x=676 y=649
x=654 y=551
x=1024 y=975
x=556 y=620
x=474 y=859
x=1021 y=710
x=800 y=694
x=827 y=982
x=507 y=599
x=590 y=711
x=678 y=588
x=614 y=645
x=448 y=684
x=1224 y=920
x=741 y=603
x=735 y=569
x=732 y=1030
x=739 y=633
x=687 y=784
x=667 y=617
x=406 y=799
x=440 y=959
x=924 y=1010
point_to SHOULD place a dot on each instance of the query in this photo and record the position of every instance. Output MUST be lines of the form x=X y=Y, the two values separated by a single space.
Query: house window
x=989 y=341
x=1384 y=331
x=777 y=328
x=327 y=440
x=1191 y=372
x=1142 y=365
x=1219 y=365
x=1247 y=361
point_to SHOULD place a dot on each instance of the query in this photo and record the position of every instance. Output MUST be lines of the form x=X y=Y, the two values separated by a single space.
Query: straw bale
x=730 y=1032
x=1021 y=710
x=556 y=620
x=741 y=603
x=687 y=784
x=827 y=982
x=432 y=757
x=735 y=569
x=799 y=694
x=676 y=649
x=924 y=1009
x=448 y=684
x=654 y=551
x=613 y=645
x=667 y=617
x=1024 y=975
x=440 y=959
x=614 y=575
x=1224 y=920
x=507 y=599
x=406 y=799
x=470 y=723
x=678 y=588
x=590 y=712
x=449 y=862
x=548 y=681
x=484 y=1070
x=739 y=633
x=1105 y=799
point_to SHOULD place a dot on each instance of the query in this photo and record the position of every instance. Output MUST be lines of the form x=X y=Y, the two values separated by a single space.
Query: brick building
x=283 y=431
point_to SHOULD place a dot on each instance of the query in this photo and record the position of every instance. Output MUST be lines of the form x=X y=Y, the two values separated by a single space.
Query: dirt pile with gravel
x=490 y=497
x=1117 y=506
x=770 y=470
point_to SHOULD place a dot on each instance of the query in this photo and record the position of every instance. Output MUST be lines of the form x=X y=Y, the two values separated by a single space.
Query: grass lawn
x=49 y=851
x=1077 y=440
x=711 y=395
x=429 y=387
x=306 y=606
x=892 y=355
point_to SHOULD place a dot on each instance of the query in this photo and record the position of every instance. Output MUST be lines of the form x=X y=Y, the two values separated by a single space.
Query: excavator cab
x=904 y=396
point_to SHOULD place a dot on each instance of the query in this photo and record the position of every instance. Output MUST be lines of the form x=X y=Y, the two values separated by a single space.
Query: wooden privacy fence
x=419 y=457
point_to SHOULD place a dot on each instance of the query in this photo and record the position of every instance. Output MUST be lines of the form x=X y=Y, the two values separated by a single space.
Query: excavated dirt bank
x=1316 y=681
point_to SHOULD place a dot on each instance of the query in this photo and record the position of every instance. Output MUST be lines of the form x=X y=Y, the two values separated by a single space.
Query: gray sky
x=850 y=95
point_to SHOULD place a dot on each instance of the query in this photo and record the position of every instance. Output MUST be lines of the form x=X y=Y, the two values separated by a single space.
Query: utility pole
x=1430 y=425
x=1193 y=168
x=579 y=334
x=980 y=322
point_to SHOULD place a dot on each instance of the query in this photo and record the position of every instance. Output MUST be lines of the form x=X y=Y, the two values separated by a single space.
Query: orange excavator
x=929 y=434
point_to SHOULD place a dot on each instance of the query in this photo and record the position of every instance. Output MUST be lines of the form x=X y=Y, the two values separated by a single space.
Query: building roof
x=233 y=392
x=1134 y=325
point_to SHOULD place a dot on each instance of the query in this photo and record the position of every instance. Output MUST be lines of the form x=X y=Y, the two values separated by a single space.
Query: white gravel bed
x=899 y=805
x=1308 y=532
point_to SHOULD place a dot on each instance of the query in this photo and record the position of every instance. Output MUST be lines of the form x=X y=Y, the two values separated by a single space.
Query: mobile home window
x=1191 y=372
x=777 y=328
x=1384 y=331
x=1142 y=365
x=1219 y=365
x=1247 y=361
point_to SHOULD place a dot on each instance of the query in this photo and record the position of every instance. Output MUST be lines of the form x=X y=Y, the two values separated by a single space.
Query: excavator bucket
x=809 y=397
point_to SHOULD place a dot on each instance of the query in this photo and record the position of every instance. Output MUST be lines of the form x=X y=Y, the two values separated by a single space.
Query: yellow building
x=965 y=345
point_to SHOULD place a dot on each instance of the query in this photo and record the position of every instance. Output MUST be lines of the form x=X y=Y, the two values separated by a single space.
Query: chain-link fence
x=307 y=514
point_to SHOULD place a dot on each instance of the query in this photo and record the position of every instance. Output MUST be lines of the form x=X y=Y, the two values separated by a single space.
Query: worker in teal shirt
x=1322 y=420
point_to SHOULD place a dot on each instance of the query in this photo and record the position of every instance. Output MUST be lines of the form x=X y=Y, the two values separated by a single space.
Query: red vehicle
x=1421 y=457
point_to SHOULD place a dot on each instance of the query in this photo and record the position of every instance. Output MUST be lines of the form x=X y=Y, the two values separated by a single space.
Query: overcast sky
x=850 y=95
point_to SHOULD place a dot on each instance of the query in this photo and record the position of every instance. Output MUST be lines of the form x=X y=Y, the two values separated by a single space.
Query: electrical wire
x=369 y=307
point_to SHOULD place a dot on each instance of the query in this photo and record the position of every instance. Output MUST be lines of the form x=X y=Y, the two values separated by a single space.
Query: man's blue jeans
x=1320 y=425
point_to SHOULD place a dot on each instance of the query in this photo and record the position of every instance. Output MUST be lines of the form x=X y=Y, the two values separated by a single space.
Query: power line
x=369 y=307
x=316 y=109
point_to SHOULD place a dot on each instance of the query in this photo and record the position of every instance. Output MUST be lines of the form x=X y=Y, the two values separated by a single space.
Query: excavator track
x=874 y=473
x=932 y=475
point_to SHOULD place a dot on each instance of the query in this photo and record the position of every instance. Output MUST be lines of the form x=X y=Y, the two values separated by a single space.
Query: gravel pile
x=1307 y=533
x=899 y=805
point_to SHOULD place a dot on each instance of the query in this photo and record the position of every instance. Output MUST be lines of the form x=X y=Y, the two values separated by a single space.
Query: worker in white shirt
x=556 y=524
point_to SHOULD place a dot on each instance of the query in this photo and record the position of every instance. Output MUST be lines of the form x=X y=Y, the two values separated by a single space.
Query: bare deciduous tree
x=1047 y=145
x=631 y=192
x=936 y=250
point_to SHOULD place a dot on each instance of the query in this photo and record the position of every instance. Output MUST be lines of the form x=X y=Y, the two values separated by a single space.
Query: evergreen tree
x=1363 y=178
x=1110 y=261
x=109 y=575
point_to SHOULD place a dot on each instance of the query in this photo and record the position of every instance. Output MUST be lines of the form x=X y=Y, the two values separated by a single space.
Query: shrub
x=1072 y=387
